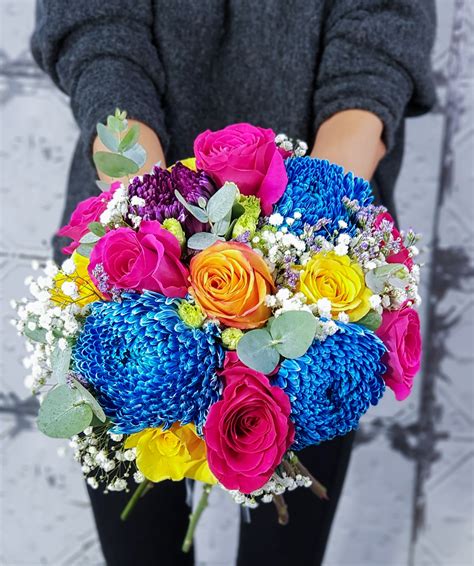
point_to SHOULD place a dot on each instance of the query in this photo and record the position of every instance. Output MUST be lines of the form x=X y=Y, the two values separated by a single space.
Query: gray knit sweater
x=182 y=66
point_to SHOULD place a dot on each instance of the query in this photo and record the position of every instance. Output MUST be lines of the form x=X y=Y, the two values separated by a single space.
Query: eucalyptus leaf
x=37 y=335
x=137 y=154
x=202 y=202
x=107 y=137
x=293 y=333
x=255 y=349
x=129 y=139
x=197 y=212
x=202 y=240
x=60 y=362
x=222 y=226
x=376 y=279
x=89 y=238
x=114 y=165
x=372 y=320
x=85 y=250
x=103 y=186
x=90 y=400
x=63 y=413
x=117 y=124
x=97 y=228
x=221 y=202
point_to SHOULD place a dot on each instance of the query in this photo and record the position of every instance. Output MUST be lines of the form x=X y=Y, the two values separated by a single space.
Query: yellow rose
x=339 y=280
x=86 y=291
x=171 y=454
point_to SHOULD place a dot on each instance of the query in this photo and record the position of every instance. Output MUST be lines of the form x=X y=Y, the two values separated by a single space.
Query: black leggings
x=153 y=534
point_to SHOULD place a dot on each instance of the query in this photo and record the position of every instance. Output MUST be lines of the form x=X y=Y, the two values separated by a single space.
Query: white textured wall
x=409 y=494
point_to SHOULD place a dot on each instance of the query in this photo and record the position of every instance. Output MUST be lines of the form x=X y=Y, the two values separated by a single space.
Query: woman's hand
x=150 y=142
x=352 y=139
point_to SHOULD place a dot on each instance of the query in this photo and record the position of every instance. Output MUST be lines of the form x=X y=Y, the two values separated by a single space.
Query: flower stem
x=316 y=487
x=282 y=509
x=195 y=516
x=141 y=489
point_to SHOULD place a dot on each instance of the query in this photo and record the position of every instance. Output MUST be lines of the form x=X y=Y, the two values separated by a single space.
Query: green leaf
x=256 y=350
x=376 y=279
x=63 y=413
x=37 y=335
x=107 y=137
x=237 y=210
x=130 y=138
x=90 y=400
x=221 y=202
x=89 y=238
x=60 y=362
x=117 y=124
x=103 y=186
x=97 y=228
x=197 y=212
x=114 y=165
x=202 y=240
x=222 y=226
x=293 y=333
x=85 y=250
x=372 y=320
x=137 y=154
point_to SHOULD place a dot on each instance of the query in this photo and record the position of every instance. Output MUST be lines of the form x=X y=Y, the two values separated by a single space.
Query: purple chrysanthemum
x=157 y=190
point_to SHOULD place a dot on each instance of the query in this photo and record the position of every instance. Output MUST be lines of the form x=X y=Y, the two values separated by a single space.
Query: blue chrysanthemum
x=333 y=384
x=316 y=189
x=148 y=368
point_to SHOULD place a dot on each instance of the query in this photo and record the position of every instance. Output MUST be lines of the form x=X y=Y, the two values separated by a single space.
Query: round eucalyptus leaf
x=202 y=240
x=90 y=400
x=293 y=333
x=107 y=137
x=114 y=165
x=130 y=138
x=221 y=202
x=64 y=413
x=255 y=349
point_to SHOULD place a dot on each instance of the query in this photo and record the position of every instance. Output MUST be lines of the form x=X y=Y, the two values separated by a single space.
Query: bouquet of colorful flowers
x=216 y=317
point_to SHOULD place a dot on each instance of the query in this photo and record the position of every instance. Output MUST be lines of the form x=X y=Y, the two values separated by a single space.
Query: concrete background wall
x=409 y=495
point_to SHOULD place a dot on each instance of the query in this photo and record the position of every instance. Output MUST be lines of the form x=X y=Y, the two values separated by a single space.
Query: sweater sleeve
x=376 y=57
x=102 y=55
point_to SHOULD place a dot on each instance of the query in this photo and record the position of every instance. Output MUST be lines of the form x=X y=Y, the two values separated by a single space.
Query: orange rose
x=229 y=281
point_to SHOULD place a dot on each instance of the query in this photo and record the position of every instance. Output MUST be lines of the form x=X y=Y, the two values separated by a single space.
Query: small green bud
x=231 y=337
x=191 y=314
x=174 y=226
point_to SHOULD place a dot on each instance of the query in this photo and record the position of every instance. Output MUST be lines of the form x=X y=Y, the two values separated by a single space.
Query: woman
x=341 y=74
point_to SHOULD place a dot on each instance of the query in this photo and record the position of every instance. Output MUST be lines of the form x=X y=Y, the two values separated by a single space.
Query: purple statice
x=157 y=189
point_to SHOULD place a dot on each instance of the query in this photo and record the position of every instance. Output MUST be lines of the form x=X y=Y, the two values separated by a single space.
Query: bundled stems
x=141 y=490
x=282 y=509
x=195 y=516
x=316 y=487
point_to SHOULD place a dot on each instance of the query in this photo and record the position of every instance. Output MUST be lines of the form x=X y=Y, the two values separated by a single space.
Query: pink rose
x=145 y=260
x=87 y=211
x=246 y=155
x=403 y=255
x=249 y=430
x=400 y=332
